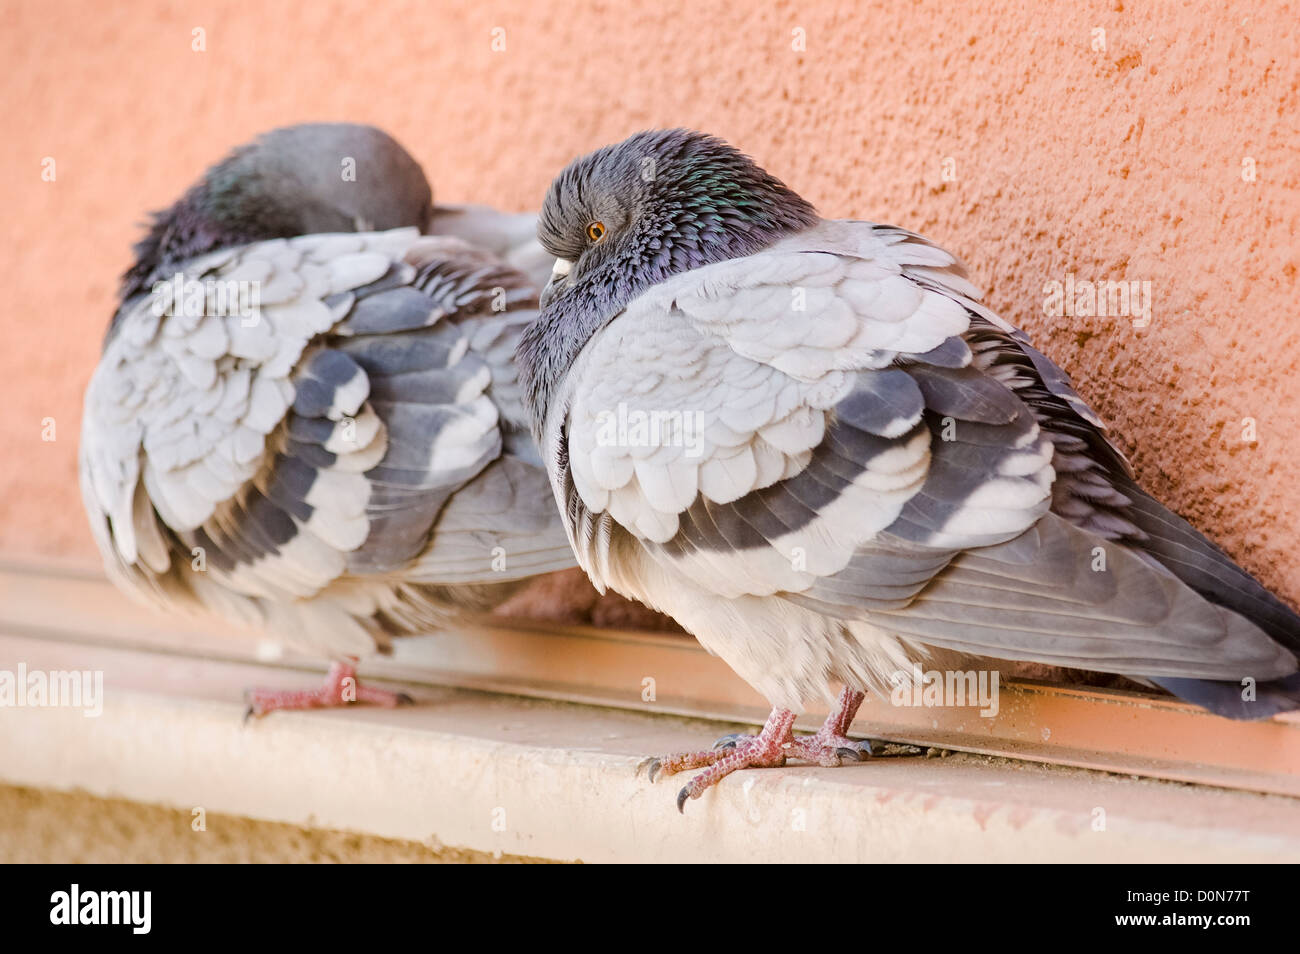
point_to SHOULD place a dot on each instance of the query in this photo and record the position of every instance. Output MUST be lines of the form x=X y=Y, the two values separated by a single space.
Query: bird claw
x=746 y=751
x=829 y=750
x=861 y=750
x=652 y=764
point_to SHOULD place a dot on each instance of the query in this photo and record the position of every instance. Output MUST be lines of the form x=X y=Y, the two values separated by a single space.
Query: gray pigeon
x=811 y=444
x=306 y=416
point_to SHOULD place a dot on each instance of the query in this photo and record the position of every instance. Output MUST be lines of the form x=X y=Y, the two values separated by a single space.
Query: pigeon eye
x=596 y=231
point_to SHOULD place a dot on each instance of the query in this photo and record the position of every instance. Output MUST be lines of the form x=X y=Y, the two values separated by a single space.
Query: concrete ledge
x=1109 y=730
x=501 y=774
x=41 y=826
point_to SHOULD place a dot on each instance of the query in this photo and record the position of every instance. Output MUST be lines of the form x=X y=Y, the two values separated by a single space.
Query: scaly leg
x=830 y=745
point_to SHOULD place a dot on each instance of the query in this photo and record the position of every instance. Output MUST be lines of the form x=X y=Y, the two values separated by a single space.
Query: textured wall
x=1020 y=139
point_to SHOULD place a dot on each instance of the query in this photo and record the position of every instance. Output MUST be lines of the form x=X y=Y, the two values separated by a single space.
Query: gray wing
x=1095 y=488
x=346 y=439
x=953 y=489
x=434 y=522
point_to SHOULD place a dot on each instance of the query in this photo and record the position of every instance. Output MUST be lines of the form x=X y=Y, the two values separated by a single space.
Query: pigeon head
x=659 y=203
x=633 y=214
x=315 y=177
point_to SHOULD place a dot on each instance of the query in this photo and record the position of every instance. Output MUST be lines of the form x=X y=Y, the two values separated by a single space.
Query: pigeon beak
x=559 y=276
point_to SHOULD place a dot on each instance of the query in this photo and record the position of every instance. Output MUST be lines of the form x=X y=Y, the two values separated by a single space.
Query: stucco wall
x=1065 y=154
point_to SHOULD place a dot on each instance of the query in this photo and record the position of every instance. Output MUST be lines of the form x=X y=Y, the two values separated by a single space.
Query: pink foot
x=340 y=689
x=829 y=746
x=765 y=750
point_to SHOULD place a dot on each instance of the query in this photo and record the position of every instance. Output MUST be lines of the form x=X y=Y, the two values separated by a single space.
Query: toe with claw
x=765 y=750
x=829 y=746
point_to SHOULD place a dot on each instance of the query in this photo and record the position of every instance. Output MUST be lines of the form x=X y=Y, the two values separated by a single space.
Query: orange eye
x=596 y=231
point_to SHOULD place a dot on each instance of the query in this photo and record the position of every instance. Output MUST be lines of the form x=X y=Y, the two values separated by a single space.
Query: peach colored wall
x=1115 y=163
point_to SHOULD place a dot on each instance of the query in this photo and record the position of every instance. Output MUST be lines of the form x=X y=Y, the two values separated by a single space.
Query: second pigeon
x=306 y=417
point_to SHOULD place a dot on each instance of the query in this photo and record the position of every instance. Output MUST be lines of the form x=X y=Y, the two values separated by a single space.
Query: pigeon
x=306 y=417
x=810 y=443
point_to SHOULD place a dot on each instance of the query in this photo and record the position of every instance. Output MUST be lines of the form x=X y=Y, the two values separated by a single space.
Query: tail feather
x=1182 y=550
x=1238 y=700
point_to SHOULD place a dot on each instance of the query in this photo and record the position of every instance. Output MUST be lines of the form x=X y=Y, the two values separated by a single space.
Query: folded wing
x=322 y=441
x=861 y=437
